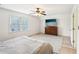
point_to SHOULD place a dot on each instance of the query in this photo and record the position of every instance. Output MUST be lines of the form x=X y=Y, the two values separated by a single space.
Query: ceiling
x=49 y=8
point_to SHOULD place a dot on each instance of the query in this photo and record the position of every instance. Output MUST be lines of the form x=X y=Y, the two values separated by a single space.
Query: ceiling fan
x=39 y=12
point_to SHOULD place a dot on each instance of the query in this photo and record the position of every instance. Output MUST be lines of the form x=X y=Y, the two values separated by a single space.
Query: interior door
x=75 y=27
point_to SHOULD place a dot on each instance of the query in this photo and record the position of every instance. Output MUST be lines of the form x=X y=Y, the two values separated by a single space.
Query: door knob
x=78 y=27
x=73 y=28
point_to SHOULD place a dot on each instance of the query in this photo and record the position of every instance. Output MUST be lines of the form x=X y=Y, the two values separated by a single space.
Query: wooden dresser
x=52 y=30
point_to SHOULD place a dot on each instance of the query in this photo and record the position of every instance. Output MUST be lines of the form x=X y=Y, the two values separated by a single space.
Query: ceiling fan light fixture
x=40 y=12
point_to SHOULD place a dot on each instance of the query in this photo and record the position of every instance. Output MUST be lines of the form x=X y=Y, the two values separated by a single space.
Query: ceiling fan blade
x=44 y=14
x=42 y=11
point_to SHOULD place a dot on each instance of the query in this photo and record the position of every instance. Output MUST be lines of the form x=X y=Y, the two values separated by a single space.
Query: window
x=23 y=24
x=18 y=24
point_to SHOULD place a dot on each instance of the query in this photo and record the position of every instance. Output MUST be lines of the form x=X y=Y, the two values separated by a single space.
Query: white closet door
x=75 y=26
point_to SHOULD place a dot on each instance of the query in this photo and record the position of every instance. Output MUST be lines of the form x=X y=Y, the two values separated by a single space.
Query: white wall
x=33 y=24
x=64 y=23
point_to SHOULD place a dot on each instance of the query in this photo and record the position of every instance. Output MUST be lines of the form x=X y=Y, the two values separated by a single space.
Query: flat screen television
x=51 y=22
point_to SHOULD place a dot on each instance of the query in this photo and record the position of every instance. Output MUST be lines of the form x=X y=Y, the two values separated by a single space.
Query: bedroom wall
x=33 y=24
x=63 y=21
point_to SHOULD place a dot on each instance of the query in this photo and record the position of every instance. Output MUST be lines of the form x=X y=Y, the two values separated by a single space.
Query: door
x=74 y=27
x=75 y=24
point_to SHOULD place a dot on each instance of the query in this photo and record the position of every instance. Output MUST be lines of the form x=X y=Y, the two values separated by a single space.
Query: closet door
x=74 y=27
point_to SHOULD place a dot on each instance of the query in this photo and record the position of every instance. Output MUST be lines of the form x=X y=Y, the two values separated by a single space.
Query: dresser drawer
x=52 y=30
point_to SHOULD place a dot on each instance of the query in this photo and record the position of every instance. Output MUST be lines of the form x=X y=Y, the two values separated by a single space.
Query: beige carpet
x=67 y=48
